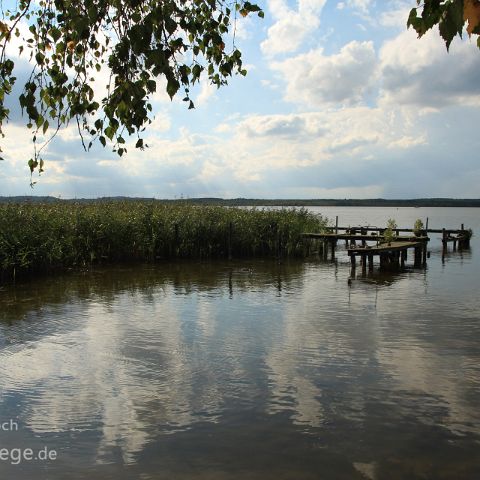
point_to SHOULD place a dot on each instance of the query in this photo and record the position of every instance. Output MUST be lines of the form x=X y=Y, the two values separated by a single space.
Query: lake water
x=248 y=369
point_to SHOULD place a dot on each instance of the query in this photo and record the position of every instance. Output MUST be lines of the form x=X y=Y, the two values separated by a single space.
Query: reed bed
x=43 y=237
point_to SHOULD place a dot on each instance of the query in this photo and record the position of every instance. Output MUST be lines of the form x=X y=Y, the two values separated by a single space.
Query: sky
x=340 y=101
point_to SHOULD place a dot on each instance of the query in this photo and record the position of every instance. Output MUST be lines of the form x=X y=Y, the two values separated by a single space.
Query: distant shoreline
x=258 y=202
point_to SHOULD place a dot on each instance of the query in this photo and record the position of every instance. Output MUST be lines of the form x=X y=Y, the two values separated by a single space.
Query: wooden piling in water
x=392 y=256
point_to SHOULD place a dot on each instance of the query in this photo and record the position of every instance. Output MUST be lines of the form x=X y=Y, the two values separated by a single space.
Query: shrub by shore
x=43 y=237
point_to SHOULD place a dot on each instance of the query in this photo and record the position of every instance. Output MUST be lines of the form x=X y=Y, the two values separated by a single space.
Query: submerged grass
x=42 y=237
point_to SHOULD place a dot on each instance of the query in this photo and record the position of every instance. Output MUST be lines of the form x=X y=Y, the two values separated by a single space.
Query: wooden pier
x=392 y=255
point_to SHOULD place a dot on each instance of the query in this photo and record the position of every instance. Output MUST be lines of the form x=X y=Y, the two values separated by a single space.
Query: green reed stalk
x=42 y=237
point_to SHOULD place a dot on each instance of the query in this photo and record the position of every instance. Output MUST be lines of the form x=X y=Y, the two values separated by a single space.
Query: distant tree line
x=259 y=202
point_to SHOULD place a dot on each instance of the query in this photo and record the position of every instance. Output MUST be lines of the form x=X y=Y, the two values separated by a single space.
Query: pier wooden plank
x=351 y=236
x=379 y=229
x=384 y=248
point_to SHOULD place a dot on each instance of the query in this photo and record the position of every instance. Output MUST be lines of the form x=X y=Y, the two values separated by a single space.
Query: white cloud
x=408 y=142
x=161 y=123
x=207 y=91
x=396 y=16
x=243 y=27
x=275 y=126
x=360 y=5
x=291 y=26
x=423 y=73
x=316 y=79
x=267 y=143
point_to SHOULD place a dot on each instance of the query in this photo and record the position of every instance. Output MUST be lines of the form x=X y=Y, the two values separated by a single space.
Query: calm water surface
x=248 y=369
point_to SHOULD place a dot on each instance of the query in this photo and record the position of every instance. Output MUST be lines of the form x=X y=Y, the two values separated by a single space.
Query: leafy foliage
x=41 y=237
x=418 y=227
x=135 y=41
x=450 y=16
x=389 y=232
x=392 y=224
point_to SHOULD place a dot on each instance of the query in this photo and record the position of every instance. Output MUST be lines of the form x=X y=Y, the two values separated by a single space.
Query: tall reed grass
x=41 y=237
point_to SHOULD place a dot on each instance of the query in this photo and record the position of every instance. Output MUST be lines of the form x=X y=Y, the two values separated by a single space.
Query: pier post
x=418 y=257
x=364 y=263
x=424 y=254
x=352 y=261
x=336 y=225
x=370 y=263
x=444 y=240
x=397 y=259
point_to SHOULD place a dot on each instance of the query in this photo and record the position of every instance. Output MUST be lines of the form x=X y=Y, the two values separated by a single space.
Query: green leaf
x=196 y=71
x=109 y=132
x=55 y=33
x=40 y=57
x=151 y=86
x=452 y=22
x=412 y=18
x=170 y=25
x=33 y=164
x=172 y=87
